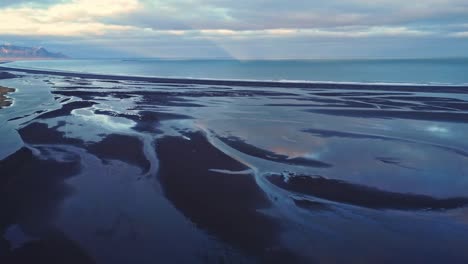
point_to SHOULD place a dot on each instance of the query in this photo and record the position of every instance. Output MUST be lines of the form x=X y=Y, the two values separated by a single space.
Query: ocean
x=396 y=71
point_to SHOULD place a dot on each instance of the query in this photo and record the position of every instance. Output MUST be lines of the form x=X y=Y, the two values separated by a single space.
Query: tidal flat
x=120 y=169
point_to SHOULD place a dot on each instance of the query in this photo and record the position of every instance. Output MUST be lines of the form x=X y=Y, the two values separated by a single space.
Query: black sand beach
x=121 y=169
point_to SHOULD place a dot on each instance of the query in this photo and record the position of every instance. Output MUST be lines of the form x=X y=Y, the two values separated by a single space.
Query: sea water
x=450 y=71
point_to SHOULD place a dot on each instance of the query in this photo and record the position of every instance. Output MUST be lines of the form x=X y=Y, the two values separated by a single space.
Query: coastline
x=378 y=86
x=5 y=101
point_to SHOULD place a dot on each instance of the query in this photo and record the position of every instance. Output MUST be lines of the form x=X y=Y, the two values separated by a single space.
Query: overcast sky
x=242 y=29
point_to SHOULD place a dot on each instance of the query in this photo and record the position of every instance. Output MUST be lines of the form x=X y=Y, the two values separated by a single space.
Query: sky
x=242 y=29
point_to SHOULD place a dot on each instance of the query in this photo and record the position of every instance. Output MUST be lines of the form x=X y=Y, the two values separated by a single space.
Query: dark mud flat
x=31 y=188
x=112 y=169
x=254 y=151
x=40 y=133
x=228 y=208
x=429 y=116
x=121 y=147
x=7 y=75
x=111 y=147
x=66 y=109
x=343 y=192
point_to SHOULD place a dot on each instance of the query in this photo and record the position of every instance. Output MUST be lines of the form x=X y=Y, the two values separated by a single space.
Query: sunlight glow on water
x=108 y=122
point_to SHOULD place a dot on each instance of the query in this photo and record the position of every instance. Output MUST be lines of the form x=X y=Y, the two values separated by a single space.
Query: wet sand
x=31 y=201
x=119 y=169
x=229 y=208
x=339 y=191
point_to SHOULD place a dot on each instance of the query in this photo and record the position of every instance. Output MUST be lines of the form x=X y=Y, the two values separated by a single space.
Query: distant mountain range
x=16 y=52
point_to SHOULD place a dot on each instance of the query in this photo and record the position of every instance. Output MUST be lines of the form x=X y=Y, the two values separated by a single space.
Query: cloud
x=99 y=16
x=248 y=15
x=76 y=18
x=240 y=28
x=340 y=32
x=463 y=34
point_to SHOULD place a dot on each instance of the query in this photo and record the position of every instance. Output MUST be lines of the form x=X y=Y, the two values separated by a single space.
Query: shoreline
x=250 y=83
x=5 y=101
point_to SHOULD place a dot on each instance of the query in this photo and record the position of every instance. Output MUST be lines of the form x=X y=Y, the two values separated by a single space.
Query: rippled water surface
x=414 y=71
x=102 y=170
